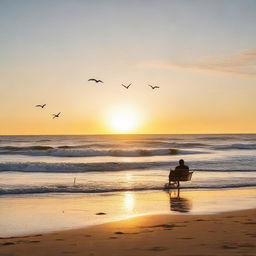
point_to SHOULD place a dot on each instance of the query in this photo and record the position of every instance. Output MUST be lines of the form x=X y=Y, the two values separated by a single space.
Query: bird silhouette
x=95 y=80
x=126 y=86
x=153 y=87
x=40 y=106
x=55 y=115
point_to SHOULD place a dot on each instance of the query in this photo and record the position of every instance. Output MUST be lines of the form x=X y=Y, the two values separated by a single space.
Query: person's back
x=182 y=168
x=181 y=172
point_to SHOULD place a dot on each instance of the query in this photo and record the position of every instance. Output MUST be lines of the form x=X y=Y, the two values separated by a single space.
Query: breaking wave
x=92 y=167
x=70 y=151
x=237 y=146
x=77 y=167
x=85 y=189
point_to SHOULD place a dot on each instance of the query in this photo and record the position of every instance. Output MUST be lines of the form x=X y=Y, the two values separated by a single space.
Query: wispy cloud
x=241 y=63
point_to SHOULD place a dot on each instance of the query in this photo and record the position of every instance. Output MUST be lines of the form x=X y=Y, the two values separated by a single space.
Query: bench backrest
x=176 y=176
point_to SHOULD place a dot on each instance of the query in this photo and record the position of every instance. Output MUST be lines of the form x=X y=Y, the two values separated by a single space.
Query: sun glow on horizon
x=123 y=119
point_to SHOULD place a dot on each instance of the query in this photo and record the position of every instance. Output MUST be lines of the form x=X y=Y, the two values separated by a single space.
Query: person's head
x=181 y=162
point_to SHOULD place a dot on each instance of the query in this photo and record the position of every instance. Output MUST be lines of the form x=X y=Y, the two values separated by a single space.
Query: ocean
x=51 y=183
x=114 y=163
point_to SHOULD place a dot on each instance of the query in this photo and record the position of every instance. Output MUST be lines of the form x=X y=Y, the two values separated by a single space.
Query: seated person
x=180 y=170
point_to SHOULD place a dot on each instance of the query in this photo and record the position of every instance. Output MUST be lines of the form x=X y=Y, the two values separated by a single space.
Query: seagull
x=55 y=115
x=95 y=80
x=153 y=87
x=41 y=106
x=127 y=87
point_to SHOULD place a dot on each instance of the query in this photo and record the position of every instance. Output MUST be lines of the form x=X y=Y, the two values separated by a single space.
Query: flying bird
x=40 y=106
x=126 y=86
x=55 y=115
x=95 y=80
x=153 y=87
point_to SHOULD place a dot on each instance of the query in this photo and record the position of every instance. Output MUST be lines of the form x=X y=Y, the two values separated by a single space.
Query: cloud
x=241 y=63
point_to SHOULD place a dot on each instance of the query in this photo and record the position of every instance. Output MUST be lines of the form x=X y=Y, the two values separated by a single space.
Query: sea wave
x=68 y=151
x=43 y=140
x=224 y=170
x=172 y=144
x=77 y=167
x=95 y=167
x=85 y=189
x=237 y=146
x=220 y=137
x=13 y=148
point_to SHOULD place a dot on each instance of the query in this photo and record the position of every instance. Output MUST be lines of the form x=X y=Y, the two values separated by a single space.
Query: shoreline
x=230 y=233
x=150 y=190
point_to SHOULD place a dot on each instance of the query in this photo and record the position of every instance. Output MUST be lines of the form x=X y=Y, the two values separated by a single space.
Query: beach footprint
x=7 y=243
x=157 y=248
x=229 y=246
x=34 y=241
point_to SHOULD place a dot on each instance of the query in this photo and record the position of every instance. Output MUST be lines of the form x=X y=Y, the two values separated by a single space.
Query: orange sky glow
x=203 y=58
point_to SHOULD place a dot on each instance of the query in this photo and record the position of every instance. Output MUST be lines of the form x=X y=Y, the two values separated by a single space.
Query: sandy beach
x=127 y=128
x=231 y=233
x=33 y=214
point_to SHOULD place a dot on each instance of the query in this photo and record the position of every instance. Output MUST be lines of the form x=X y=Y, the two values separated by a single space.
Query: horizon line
x=104 y=134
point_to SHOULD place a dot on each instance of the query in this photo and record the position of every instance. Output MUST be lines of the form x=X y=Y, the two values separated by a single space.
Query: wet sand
x=34 y=214
x=232 y=233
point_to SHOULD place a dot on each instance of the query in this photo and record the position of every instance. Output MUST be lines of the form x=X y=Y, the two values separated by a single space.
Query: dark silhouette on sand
x=153 y=87
x=126 y=86
x=95 y=80
x=40 y=106
x=181 y=171
x=56 y=115
x=182 y=168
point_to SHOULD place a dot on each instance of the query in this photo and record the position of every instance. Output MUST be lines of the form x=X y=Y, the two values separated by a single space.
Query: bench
x=175 y=178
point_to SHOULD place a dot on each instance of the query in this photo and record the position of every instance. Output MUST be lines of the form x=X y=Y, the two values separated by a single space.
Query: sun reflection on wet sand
x=129 y=201
x=23 y=214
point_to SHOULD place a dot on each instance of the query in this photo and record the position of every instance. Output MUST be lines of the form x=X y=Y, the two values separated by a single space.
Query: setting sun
x=120 y=118
x=123 y=119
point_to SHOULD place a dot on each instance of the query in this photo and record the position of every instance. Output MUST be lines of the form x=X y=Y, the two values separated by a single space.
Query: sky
x=202 y=55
